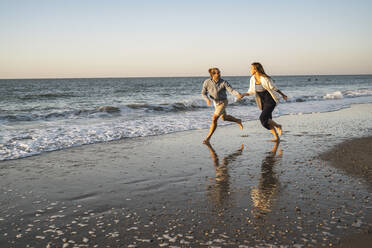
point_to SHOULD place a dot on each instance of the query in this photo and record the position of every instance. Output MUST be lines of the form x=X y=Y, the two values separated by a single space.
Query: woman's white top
x=259 y=88
x=267 y=84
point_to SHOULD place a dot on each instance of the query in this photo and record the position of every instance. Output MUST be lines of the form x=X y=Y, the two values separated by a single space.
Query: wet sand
x=354 y=157
x=173 y=191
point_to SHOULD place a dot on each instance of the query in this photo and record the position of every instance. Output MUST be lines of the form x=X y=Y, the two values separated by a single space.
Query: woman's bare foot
x=241 y=147
x=240 y=124
x=276 y=137
x=279 y=127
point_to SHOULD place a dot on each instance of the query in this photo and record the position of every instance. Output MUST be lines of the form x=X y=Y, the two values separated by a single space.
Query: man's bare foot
x=206 y=141
x=279 y=127
x=240 y=124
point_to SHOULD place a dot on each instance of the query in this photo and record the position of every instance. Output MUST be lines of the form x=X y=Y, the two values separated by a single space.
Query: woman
x=264 y=88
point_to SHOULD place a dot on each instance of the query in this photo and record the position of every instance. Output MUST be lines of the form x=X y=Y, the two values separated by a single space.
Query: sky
x=89 y=38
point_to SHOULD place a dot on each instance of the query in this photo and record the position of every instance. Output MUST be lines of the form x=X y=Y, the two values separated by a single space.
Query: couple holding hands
x=261 y=85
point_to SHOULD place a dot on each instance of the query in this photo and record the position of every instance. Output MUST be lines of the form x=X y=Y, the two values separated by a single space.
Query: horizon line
x=195 y=76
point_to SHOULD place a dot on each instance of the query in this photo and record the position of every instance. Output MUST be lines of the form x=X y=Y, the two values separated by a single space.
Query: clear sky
x=108 y=38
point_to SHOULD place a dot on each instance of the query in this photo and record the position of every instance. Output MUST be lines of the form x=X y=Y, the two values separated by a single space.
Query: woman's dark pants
x=268 y=105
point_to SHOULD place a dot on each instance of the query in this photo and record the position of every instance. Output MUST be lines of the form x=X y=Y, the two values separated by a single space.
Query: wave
x=102 y=111
x=162 y=108
x=108 y=109
x=47 y=96
x=61 y=114
x=357 y=93
x=17 y=142
x=333 y=95
x=348 y=93
x=170 y=107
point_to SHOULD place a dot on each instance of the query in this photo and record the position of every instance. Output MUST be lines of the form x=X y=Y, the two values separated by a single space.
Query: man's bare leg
x=213 y=154
x=212 y=128
x=232 y=119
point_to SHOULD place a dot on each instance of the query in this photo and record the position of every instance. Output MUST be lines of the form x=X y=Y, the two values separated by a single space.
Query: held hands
x=208 y=102
x=239 y=96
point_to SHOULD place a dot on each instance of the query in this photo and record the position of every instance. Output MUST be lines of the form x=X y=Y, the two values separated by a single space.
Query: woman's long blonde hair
x=260 y=69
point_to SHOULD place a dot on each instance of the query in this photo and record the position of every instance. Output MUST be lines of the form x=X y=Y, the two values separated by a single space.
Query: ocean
x=41 y=115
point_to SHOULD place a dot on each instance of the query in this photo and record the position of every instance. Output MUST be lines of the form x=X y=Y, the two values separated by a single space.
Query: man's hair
x=212 y=69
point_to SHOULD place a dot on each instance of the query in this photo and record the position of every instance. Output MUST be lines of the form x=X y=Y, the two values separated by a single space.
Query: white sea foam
x=56 y=135
x=50 y=121
x=334 y=95
x=348 y=93
x=356 y=93
x=142 y=109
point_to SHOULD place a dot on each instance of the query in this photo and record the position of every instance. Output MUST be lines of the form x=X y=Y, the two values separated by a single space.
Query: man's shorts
x=220 y=107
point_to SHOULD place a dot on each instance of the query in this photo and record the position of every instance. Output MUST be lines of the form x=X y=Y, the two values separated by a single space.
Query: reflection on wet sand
x=219 y=190
x=263 y=194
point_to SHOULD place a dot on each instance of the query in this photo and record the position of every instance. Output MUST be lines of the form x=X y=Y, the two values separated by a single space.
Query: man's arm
x=204 y=93
x=232 y=91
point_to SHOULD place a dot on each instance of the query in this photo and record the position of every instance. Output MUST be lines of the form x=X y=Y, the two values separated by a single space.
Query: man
x=216 y=88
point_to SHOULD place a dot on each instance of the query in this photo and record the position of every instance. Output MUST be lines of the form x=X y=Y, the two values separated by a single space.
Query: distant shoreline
x=202 y=76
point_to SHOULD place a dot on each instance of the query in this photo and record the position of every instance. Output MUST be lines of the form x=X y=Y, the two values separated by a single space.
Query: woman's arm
x=272 y=86
x=282 y=94
x=251 y=90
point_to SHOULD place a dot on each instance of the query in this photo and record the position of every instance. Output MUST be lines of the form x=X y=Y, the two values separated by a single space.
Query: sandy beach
x=354 y=157
x=311 y=190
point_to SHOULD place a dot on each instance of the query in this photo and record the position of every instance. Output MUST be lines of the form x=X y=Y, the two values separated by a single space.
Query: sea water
x=39 y=115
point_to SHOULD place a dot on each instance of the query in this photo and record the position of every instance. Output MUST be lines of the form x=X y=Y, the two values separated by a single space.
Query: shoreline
x=171 y=190
x=175 y=132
